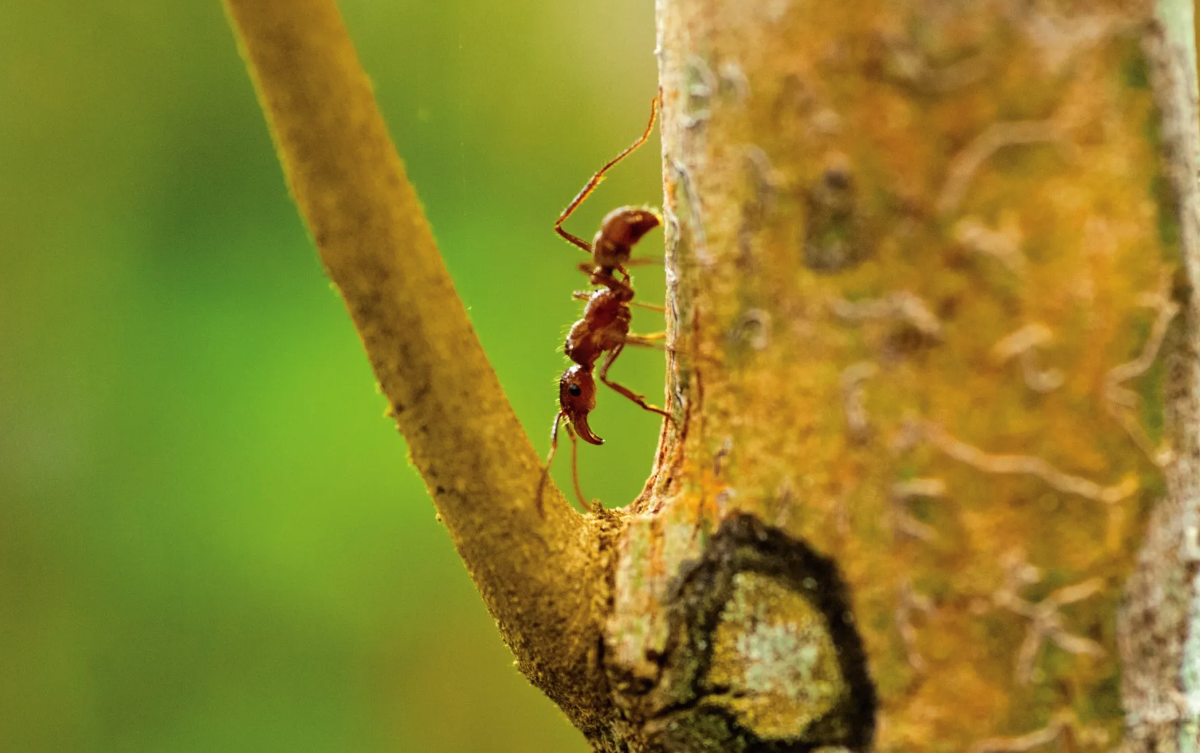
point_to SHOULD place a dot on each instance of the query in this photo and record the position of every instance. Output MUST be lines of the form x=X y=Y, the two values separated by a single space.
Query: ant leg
x=582 y=295
x=550 y=458
x=651 y=306
x=598 y=276
x=650 y=341
x=638 y=261
x=646 y=341
x=599 y=176
x=608 y=362
x=575 y=467
x=574 y=240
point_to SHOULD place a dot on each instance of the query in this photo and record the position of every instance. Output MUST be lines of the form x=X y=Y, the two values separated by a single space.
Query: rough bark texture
x=933 y=377
x=927 y=283
x=1157 y=623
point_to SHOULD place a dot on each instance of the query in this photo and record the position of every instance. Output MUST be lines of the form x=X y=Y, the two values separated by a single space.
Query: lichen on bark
x=760 y=652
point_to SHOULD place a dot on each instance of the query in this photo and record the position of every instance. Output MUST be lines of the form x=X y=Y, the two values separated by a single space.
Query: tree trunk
x=932 y=368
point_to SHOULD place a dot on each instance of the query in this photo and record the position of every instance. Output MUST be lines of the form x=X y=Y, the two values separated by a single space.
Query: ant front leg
x=608 y=362
x=650 y=306
x=575 y=467
x=558 y=417
x=647 y=341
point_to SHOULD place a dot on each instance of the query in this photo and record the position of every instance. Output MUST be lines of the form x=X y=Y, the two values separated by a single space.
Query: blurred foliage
x=210 y=538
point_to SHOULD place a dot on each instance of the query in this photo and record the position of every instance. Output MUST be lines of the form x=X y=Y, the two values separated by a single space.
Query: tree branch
x=535 y=572
x=808 y=566
x=1159 y=620
x=825 y=305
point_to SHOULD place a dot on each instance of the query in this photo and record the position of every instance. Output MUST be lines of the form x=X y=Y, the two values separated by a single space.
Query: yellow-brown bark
x=928 y=280
x=932 y=367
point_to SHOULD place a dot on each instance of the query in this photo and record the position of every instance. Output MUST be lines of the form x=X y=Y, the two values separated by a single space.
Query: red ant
x=604 y=328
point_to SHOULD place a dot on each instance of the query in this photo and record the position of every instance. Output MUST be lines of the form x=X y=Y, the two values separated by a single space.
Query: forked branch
x=481 y=470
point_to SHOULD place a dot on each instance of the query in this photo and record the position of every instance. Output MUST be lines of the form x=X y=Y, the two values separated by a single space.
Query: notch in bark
x=764 y=656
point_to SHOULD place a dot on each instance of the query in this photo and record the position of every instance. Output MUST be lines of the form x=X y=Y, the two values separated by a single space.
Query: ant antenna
x=599 y=176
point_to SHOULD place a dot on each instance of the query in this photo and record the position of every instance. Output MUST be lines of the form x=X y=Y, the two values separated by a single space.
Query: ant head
x=577 y=398
x=619 y=231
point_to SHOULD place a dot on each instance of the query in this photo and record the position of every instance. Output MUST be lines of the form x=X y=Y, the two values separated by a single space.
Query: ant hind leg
x=595 y=181
x=558 y=417
x=622 y=389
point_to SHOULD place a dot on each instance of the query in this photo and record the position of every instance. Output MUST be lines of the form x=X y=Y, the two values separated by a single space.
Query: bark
x=1157 y=622
x=931 y=482
x=463 y=437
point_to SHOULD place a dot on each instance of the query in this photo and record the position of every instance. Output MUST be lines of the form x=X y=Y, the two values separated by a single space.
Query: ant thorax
x=604 y=326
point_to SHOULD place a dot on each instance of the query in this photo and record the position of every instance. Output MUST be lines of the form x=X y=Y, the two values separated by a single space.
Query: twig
x=479 y=466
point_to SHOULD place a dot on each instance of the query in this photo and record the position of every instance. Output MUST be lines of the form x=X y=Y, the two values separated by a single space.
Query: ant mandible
x=604 y=328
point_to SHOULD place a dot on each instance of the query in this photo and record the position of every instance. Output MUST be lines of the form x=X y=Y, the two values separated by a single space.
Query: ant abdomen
x=620 y=230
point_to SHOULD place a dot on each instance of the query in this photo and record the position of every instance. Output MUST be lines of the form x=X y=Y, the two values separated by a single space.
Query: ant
x=604 y=328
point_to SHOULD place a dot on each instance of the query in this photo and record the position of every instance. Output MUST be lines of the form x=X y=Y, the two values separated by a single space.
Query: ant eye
x=574 y=390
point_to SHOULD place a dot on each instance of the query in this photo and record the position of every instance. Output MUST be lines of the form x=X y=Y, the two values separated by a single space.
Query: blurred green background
x=210 y=537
